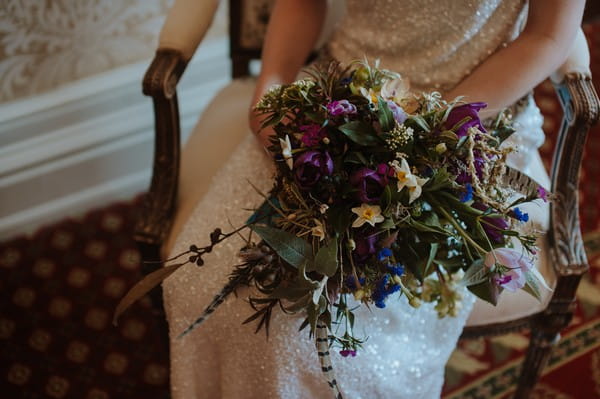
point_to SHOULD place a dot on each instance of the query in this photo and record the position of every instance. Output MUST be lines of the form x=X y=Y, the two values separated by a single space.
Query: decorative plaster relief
x=45 y=43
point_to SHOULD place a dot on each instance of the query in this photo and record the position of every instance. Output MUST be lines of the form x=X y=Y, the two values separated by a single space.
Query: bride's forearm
x=513 y=71
x=293 y=30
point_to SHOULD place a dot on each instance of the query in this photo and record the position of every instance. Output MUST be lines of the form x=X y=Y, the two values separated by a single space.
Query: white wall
x=82 y=137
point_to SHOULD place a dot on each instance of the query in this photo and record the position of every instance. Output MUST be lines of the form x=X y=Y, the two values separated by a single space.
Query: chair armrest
x=158 y=207
x=186 y=24
x=581 y=111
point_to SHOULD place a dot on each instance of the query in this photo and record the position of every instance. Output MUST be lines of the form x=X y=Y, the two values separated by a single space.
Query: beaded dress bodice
x=433 y=43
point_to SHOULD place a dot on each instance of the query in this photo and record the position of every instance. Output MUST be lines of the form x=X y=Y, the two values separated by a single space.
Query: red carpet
x=59 y=291
x=60 y=287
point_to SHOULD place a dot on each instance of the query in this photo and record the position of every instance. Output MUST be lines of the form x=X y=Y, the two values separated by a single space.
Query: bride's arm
x=293 y=30
x=539 y=50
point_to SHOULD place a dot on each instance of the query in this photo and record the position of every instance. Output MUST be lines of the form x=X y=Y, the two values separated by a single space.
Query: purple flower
x=398 y=112
x=461 y=112
x=542 y=193
x=341 y=107
x=348 y=352
x=365 y=246
x=465 y=177
x=312 y=134
x=369 y=183
x=310 y=166
x=512 y=267
x=492 y=226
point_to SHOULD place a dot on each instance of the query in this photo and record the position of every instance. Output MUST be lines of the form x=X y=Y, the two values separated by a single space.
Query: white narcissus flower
x=369 y=95
x=318 y=230
x=416 y=190
x=395 y=90
x=367 y=214
x=403 y=174
x=286 y=151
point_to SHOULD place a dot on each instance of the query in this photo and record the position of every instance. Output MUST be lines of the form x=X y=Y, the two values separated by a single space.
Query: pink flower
x=542 y=193
x=509 y=266
x=341 y=107
x=312 y=134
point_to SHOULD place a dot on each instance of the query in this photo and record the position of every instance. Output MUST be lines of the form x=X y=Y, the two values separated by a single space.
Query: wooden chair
x=181 y=177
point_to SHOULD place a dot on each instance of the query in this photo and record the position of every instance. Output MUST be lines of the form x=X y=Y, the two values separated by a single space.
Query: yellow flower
x=367 y=214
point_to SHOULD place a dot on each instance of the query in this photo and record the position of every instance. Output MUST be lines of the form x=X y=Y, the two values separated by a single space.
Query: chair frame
x=581 y=110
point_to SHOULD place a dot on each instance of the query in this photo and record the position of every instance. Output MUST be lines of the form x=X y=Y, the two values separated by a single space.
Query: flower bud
x=441 y=148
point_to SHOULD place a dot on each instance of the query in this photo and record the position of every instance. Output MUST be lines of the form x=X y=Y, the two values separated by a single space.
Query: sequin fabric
x=407 y=348
x=432 y=43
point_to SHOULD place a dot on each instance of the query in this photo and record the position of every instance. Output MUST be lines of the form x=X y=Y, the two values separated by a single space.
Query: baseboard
x=89 y=143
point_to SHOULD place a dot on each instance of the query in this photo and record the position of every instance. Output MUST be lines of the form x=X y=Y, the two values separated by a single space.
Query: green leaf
x=421 y=122
x=292 y=249
x=477 y=273
x=433 y=248
x=265 y=212
x=503 y=133
x=487 y=291
x=339 y=217
x=361 y=133
x=142 y=287
x=356 y=157
x=326 y=260
x=386 y=197
x=532 y=285
x=386 y=117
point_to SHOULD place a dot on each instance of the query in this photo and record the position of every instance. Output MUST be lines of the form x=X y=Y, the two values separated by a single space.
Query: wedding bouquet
x=379 y=192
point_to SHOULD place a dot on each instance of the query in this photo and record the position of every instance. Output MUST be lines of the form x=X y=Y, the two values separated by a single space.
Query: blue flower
x=382 y=291
x=384 y=253
x=519 y=215
x=351 y=282
x=468 y=194
x=396 y=270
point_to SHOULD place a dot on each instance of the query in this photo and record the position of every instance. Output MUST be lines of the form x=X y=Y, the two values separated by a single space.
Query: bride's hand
x=255 y=121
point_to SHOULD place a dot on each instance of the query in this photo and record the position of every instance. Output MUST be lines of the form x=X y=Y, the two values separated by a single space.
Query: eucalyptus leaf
x=361 y=133
x=326 y=260
x=292 y=249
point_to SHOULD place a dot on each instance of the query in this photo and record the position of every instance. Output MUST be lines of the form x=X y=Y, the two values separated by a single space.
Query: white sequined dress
x=435 y=44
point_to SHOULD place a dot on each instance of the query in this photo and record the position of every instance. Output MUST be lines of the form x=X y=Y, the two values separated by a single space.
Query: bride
x=494 y=51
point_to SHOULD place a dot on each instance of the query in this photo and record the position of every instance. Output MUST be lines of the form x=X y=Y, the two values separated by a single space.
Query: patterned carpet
x=60 y=287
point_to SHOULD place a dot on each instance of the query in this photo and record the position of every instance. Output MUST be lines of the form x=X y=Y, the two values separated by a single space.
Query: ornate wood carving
x=159 y=204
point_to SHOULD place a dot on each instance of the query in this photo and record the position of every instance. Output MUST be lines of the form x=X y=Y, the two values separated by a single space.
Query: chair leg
x=540 y=347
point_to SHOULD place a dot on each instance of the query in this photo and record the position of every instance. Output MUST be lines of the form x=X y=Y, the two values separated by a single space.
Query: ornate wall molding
x=46 y=43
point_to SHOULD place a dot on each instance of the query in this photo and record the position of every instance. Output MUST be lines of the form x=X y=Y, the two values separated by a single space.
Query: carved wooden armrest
x=581 y=111
x=156 y=217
